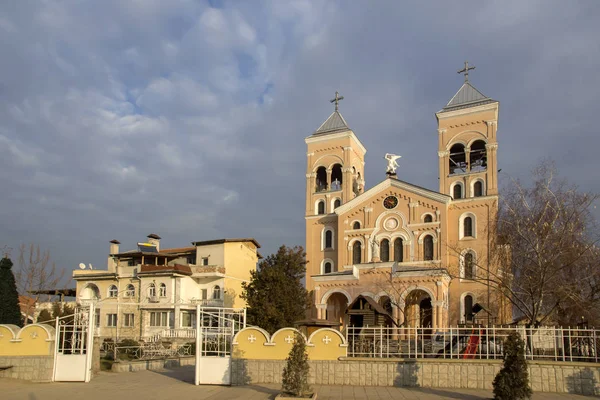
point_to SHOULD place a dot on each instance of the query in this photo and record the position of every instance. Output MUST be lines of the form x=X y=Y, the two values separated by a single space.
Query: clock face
x=390 y=202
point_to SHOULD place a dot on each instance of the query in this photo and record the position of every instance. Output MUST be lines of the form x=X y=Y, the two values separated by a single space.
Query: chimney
x=114 y=249
x=154 y=239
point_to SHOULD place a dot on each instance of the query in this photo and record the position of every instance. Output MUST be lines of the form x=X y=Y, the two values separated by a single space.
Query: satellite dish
x=91 y=266
x=81 y=266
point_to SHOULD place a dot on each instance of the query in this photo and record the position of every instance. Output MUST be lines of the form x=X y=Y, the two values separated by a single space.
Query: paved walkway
x=175 y=384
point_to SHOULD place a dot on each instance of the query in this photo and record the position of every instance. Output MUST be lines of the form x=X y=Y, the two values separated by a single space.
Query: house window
x=468 y=226
x=204 y=294
x=321 y=207
x=399 y=250
x=97 y=317
x=187 y=319
x=152 y=290
x=337 y=203
x=327 y=268
x=113 y=291
x=478 y=189
x=204 y=260
x=385 y=250
x=469 y=266
x=356 y=253
x=163 y=290
x=217 y=293
x=356 y=225
x=130 y=263
x=428 y=248
x=111 y=319
x=128 y=320
x=428 y=218
x=328 y=239
x=191 y=259
x=457 y=191
x=159 y=318
x=130 y=291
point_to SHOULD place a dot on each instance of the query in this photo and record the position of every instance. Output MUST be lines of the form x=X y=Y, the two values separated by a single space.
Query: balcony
x=208 y=302
x=199 y=271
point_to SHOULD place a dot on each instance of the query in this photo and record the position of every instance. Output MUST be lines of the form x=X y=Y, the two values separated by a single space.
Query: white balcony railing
x=181 y=333
x=208 y=302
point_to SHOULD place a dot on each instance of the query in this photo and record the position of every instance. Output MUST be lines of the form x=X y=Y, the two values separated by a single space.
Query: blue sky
x=188 y=118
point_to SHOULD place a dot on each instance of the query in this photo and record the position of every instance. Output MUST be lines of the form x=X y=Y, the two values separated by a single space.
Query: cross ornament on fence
x=289 y=339
x=251 y=338
x=326 y=339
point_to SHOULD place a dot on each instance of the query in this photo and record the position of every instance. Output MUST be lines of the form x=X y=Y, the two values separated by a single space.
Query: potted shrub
x=295 y=373
x=512 y=382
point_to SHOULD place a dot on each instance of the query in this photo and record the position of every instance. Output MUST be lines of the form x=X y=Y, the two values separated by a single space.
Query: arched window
x=321 y=180
x=336 y=177
x=468 y=307
x=337 y=203
x=152 y=290
x=478 y=156
x=468 y=227
x=469 y=266
x=399 y=250
x=356 y=253
x=458 y=160
x=356 y=225
x=113 y=291
x=328 y=239
x=428 y=218
x=428 y=248
x=321 y=207
x=162 y=292
x=478 y=189
x=457 y=191
x=217 y=293
x=130 y=291
x=327 y=269
x=385 y=250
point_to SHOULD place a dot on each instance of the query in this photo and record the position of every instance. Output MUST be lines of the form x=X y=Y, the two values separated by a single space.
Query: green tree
x=512 y=382
x=275 y=295
x=10 y=313
x=295 y=373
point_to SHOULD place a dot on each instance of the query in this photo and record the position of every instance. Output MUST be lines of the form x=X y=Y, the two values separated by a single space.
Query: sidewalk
x=176 y=384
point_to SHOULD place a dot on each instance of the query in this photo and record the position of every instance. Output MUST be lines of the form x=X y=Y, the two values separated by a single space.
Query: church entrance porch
x=335 y=311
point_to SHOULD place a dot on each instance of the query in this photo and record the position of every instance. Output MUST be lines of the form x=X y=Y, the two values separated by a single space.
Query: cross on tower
x=466 y=70
x=336 y=100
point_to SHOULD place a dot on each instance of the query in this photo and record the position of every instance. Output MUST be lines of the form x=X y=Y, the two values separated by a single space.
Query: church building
x=423 y=256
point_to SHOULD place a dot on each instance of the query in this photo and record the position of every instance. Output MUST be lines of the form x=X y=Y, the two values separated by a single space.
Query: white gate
x=214 y=336
x=73 y=353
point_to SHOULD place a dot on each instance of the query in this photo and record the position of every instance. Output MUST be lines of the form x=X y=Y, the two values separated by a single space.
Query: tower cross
x=336 y=100
x=466 y=70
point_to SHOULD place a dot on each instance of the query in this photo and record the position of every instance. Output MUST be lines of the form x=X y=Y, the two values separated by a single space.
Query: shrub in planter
x=512 y=382
x=295 y=372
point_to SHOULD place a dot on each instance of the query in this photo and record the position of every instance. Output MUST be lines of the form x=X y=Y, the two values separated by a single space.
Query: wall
x=28 y=351
x=240 y=259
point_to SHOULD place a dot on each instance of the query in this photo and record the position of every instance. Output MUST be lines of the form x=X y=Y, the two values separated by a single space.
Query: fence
x=152 y=351
x=547 y=343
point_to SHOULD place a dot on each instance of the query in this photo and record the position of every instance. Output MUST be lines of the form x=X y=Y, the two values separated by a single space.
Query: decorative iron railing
x=152 y=351
x=544 y=343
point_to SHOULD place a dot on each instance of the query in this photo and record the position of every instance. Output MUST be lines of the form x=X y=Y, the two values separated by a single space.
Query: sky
x=185 y=118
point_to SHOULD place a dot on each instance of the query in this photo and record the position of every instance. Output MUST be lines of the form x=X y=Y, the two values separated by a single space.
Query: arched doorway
x=337 y=304
x=418 y=310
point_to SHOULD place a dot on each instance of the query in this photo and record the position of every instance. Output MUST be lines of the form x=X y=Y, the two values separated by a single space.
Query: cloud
x=122 y=118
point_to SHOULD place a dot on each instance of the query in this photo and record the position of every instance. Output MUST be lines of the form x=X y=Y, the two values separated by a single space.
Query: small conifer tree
x=512 y=382
x=295 y=373
x=10 y=312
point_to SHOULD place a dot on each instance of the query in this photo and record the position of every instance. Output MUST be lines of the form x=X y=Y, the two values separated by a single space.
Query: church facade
x=421 y=255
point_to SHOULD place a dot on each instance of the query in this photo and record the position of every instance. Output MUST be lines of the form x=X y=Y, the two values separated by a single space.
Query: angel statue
x=375 y=250
x=392 y=164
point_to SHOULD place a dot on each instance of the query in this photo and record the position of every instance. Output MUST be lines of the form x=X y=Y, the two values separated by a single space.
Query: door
x=72 y=356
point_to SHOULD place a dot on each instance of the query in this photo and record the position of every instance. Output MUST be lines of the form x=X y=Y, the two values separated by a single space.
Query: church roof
x=467 y=96
x=335 y=123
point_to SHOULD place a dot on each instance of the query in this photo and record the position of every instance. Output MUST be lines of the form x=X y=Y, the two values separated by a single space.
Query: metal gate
x=73 y=353
x=214 y=337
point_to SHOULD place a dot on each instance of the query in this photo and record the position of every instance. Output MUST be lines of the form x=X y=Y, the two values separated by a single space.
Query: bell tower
x=467 y=128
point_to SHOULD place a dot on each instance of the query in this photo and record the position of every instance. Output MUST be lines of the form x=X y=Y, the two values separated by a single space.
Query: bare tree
x=35 y=272
x=543 y=255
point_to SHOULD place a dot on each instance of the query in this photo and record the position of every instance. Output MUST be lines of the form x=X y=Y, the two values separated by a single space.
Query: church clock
x=390 y=202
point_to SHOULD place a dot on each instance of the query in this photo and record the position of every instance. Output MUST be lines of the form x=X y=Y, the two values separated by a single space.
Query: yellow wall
x=257 y=344
x=240 y=259
x=32 y=340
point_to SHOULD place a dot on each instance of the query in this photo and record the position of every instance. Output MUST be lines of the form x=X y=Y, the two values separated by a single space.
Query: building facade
x=423 y=255
x=150 y=292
